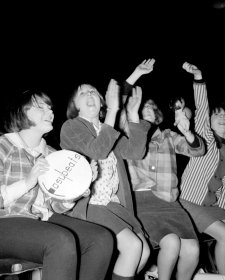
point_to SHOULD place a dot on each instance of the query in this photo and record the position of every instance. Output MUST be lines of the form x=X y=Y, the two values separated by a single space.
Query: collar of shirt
x=219 y=141
x=97 y=128
x=16 y=140
x=158 y=136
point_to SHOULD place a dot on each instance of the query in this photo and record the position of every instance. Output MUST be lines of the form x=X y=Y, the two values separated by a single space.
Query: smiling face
x=218 y=122
x=41 y=116
x=88 y=102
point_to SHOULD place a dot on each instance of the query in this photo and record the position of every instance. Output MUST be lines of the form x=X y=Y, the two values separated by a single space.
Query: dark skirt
x=204 y=216
x=113 y=216
x=160 y=218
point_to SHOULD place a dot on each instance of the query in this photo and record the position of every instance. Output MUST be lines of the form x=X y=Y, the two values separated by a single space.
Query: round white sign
x=68 y=177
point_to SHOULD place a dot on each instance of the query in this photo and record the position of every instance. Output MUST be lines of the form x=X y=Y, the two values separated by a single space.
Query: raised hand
x=133 y=104
x=146 y=66
x=181 y=121
x=112 y=96
x=190 y=68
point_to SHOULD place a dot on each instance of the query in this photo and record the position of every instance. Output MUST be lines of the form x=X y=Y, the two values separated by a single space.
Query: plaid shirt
x=15 y=164
x=158 y=170
x=200 y=171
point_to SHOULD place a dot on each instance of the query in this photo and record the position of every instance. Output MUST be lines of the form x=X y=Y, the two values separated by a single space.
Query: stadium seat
x=16 y=267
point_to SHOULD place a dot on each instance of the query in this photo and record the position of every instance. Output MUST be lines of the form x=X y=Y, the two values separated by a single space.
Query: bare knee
x=129 y=243
x=170 y=243
x=217 y=231
x=190 y=248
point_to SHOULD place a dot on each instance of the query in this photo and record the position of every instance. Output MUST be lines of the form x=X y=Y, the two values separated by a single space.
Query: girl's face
x=41 y=115
x=218 y=122
x=148 y=111
x=87 y=101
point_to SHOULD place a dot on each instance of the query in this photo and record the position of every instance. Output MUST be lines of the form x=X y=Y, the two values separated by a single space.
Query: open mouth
x=90 y=102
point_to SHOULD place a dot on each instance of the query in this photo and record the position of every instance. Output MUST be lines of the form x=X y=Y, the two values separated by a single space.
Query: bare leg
x=188 y=259
x=130 y=251
x=217 y=231
x=145 y=253
x=168 y=255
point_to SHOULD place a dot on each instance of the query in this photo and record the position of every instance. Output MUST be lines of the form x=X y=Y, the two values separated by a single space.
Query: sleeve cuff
x=10 y=197
x=195 y=143
x=201 y=81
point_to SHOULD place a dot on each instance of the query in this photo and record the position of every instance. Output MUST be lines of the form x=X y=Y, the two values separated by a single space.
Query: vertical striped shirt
x=199 y=171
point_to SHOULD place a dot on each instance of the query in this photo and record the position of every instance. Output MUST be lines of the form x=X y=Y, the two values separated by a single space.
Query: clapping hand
x=133 y=104
x=182 y=123
x=112 y=96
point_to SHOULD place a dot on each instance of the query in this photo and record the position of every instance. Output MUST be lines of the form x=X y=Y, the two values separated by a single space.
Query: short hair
x=72 y=111
x=217 y=106
x=16 y=118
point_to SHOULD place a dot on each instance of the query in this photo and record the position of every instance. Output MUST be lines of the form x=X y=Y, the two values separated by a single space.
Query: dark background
x=54 y=47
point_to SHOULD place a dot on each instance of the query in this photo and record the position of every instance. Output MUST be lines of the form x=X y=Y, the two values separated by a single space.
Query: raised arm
x=112 y=102
x=145 y=67
x=202 y=122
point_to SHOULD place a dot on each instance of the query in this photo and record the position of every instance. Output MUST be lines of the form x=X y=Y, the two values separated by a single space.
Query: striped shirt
x=199 y=171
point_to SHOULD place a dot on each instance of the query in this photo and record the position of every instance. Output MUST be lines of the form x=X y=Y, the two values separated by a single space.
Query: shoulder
x=5 y=141
x=76 y=122
x=6 y=147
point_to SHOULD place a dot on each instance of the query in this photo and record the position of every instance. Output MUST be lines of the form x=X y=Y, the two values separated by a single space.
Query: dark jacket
x=79 y=135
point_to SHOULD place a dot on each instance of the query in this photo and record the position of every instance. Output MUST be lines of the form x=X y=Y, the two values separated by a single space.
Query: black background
x=54 y=47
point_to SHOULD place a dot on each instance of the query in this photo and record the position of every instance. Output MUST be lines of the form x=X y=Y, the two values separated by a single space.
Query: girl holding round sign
x=31 y=224
x=110 y=202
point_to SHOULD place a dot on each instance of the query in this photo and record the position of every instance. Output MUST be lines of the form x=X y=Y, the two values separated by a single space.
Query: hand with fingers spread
x=192 y=69
x=146 y=66
x=143 y=68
